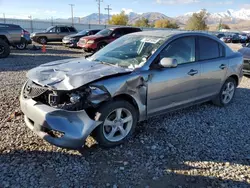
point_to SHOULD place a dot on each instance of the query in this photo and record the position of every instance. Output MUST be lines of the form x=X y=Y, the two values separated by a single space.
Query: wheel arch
x=236 y=78
x=129 y=99
x=4 y=38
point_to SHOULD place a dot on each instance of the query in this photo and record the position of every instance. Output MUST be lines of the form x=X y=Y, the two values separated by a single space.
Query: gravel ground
x=201 y=146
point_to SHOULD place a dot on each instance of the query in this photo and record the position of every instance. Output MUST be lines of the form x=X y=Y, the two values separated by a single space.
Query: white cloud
x=224 y=3
x=246 y=6
x=127 y=11
x=174 y=2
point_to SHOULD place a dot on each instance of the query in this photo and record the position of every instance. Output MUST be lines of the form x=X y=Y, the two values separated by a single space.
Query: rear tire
x=226 y=94
x=120 y=118
x=22 y=45
x=4 y=49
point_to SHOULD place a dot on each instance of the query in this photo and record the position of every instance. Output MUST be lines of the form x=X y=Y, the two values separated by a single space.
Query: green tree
x=165 y=23
x=143 y=22
x=119 y=19
x=198 y=21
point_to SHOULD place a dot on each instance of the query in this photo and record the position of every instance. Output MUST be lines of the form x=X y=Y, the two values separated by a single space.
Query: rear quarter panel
x=235 y=65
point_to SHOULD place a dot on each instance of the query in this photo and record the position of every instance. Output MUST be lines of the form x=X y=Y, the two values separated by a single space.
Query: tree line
x=198 y=21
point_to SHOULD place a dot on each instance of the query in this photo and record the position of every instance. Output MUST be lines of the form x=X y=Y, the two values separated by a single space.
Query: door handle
x=192 y=72
x=223 y=66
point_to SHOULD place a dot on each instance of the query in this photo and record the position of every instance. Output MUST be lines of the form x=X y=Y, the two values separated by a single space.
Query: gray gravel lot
x=201 y=146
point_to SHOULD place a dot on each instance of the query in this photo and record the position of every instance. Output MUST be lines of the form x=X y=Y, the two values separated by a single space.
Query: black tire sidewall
x=105 y=110
x=222 y=89
x=101 y=45
x=6 y=49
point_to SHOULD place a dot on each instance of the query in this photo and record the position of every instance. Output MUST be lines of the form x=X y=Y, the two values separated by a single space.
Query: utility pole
x=52 y=20
x=108 y=9
x=31 y=23
x=99 y=9
x=72 y=13
x=4 y=20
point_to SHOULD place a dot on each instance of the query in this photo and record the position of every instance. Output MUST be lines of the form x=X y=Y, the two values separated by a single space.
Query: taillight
x=25 y=32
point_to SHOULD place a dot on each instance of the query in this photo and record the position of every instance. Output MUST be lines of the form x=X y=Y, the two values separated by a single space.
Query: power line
x=108 y=9
x=99 y=9
x=72 y=13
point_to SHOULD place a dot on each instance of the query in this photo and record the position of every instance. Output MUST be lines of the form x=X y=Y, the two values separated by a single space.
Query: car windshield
x=48 y=29
x=83 y=32
x=130 y=51
x=105 y=32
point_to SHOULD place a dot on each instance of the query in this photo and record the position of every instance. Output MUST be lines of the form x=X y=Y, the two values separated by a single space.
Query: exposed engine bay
x=84 y=97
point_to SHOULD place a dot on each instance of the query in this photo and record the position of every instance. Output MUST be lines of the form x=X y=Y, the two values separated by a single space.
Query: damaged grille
x=32 y=90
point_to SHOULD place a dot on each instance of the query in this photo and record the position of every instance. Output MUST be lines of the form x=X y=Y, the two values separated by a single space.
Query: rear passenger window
x=64 y=29
x=209 y=49
x=72 y=29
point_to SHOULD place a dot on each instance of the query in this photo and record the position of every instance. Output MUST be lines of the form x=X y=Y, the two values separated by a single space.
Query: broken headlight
x=75 y=98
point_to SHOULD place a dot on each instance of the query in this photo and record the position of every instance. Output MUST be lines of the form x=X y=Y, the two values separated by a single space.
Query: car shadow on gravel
x=46 y=169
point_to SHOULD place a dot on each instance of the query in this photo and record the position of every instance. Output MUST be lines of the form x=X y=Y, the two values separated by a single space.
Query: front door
x=171 y=88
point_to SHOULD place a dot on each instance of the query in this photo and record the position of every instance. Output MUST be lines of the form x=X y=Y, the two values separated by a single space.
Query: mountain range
x=229 y=16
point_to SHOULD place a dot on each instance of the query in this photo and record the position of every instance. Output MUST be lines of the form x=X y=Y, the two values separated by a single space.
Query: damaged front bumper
x=73 y=126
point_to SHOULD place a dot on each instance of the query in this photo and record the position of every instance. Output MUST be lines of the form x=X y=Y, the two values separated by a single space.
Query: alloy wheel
x=228 y=92
x=117 y=125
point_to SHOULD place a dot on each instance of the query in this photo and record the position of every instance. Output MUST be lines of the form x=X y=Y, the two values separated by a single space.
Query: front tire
x=42 y=40
x=226 y=94
x=4 y=49
x=119 y=122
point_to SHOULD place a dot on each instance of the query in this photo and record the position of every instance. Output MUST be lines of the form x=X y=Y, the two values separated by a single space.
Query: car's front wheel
x=119 y=121
x=42 y=40
x=226 y=94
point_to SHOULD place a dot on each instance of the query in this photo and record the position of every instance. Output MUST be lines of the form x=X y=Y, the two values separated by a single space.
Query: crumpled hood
x=245 y=52
x=71 y=73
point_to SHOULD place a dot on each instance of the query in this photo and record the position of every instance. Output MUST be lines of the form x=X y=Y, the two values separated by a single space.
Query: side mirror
x=168 y=62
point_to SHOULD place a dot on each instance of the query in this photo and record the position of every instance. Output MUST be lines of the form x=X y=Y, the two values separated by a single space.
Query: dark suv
x=53 y=34
x=104 y=37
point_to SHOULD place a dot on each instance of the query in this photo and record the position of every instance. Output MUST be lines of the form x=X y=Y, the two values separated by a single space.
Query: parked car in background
x=72 y=40
x=25 y=40
x=220 y=35
x=243 y=38
x=245 y=51
x=138 y=76
x=10 y=35
x=235 y=38
x=104 y=37
x=246 y=45
x=53 y=34
x=227 y=38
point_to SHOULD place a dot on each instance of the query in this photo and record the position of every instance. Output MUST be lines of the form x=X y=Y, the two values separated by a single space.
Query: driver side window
x=182 y=49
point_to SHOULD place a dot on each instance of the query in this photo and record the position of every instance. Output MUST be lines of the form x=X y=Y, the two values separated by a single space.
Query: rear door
x=63 y=31
x=214 y=66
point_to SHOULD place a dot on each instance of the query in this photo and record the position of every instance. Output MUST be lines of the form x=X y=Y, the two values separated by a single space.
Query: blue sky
x=60 y=8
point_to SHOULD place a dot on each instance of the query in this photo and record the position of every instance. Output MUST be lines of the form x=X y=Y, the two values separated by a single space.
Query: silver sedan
x=135 y=77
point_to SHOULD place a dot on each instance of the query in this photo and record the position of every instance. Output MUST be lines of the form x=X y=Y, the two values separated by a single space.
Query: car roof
x=123 y=27
x=169 y=33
